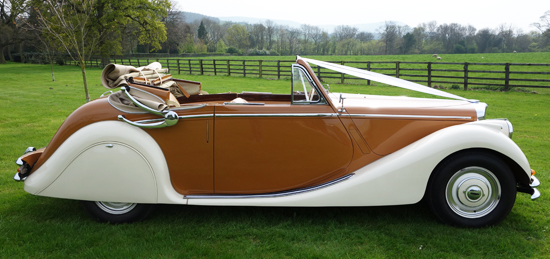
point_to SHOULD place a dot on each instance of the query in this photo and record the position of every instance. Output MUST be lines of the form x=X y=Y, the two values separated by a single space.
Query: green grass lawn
x=32 y=107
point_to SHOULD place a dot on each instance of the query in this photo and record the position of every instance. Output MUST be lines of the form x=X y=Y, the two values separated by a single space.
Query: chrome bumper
x=17 y=177
x=24 y=168
x=534 y=183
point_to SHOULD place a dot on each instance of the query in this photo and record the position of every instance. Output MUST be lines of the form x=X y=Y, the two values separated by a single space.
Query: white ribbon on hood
x=381 y=78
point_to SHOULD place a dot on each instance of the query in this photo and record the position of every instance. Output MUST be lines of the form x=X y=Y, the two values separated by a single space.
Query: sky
x=479 y=13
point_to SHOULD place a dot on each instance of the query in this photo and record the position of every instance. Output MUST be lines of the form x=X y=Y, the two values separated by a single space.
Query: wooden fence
x=433 y=74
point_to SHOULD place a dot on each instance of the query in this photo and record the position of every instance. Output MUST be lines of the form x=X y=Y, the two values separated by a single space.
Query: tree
x=450 y=35
x=202 y=33
x=506 y=33
x=347 y=47
x=389 y=34
x=544 y=22
x=142 y=19
x=12 y=23
x=408 y=42
x=176 y=29
x=188 y=45
x=316 y=35
x=256 y=34
x=237 y=36
x=221 y=47
x=364 y=36
x=293 y=43
x=49 y=47
x=344 y=32
x=269 y=33
x=484 y=40
x=544 y=28
x=67 y=21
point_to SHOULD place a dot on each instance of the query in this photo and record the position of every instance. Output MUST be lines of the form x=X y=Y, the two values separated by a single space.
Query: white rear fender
x=105 y=161
x=398 y=178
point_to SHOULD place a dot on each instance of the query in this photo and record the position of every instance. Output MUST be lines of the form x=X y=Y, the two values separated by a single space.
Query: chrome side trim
x=230 y=103
x=179 y=117
x=403 y=116
x=280 y=115
x=196 y=116
x=270 y=195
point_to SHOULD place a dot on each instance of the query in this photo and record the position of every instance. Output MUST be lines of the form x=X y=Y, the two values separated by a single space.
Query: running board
x=270 y=195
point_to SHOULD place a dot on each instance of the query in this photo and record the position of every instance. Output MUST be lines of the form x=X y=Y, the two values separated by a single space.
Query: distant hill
x=365 y=27
x=191 y=17
x=258 y=20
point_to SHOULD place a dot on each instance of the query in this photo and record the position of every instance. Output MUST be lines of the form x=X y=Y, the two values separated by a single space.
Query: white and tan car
x=165 y=141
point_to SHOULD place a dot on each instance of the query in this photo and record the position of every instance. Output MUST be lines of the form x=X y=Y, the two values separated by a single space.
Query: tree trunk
x=51 y=66
x=105 y=60
x=2 y=59
x=83 y=68
x=9 y=54
x=20 y=50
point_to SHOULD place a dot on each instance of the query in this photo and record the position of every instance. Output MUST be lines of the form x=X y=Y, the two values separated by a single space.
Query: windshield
x=303 y=88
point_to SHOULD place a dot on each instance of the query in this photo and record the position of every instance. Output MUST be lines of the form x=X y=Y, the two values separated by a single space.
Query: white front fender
x=105 y=161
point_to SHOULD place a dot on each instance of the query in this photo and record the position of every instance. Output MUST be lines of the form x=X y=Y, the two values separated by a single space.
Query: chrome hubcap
x=473 y=192
x=116 y=208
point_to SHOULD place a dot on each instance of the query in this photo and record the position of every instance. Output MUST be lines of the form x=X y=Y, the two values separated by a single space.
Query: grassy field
x=32 y=107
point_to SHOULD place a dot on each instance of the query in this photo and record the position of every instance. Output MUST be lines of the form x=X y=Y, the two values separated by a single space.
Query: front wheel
x=473 y=189
x=117 y=212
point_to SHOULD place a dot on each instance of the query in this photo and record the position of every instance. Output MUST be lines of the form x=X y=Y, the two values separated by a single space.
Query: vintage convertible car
x=165 y=141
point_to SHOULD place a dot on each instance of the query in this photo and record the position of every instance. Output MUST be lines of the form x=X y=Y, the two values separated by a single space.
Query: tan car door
x=276 y=147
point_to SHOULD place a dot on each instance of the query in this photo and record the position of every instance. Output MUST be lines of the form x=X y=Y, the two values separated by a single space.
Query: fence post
x=507 y=77
x=397 y=69
x=260 y=69
x=168 y=64
x=148 y=61
x=202 y=68
x=244 y=68
x=228 y=68
x=319 y=73
x=430 y=74
x=189 y=66
x=342 y=74
x=130 y=62
x=368 y=69
x=139 y=64
x=278 y=69
x=465 y=76
x=214 y=63
x=178 y=66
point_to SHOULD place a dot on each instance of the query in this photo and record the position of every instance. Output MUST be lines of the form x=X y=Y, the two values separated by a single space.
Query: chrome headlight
x=510 y=128
x=481 y=108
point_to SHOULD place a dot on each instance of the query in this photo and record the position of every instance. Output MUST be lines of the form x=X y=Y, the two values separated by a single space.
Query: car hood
x=361 y=104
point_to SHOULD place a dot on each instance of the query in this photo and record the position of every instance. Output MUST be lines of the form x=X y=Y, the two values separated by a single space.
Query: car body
x=306 y=148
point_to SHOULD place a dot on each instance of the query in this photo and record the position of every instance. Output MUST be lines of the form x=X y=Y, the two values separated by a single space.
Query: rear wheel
x=473 y=189
x=117 y=212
